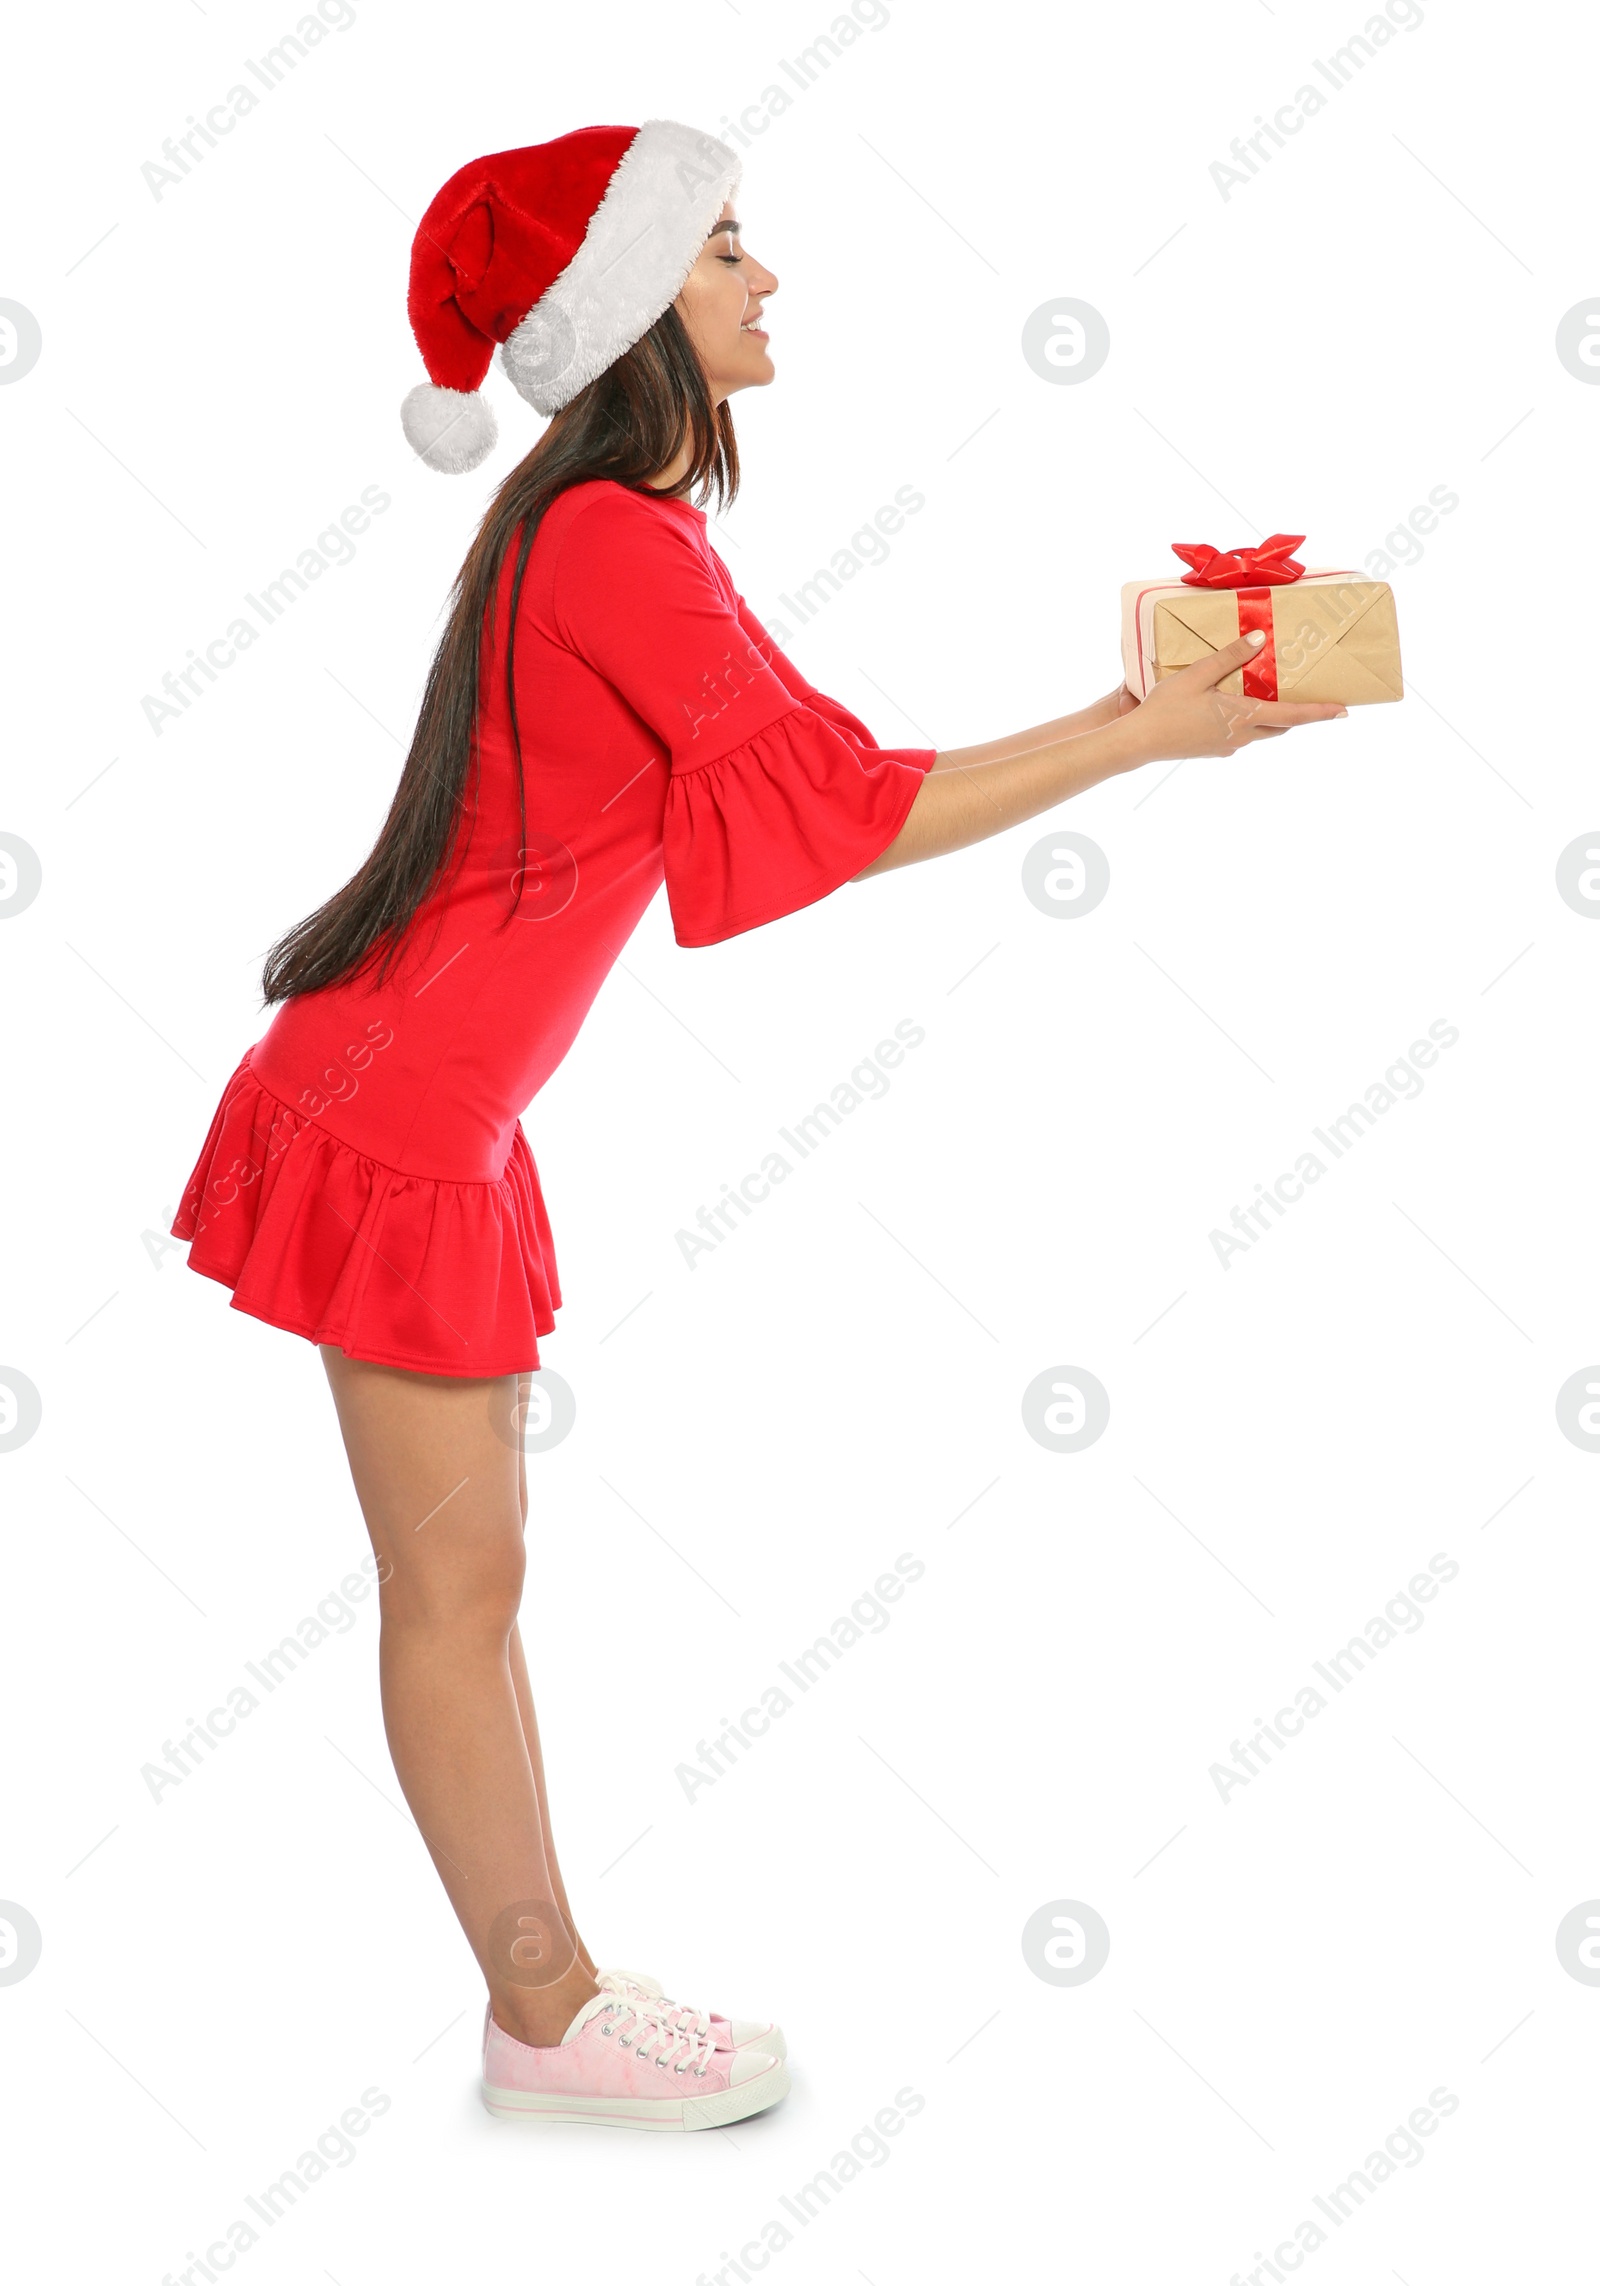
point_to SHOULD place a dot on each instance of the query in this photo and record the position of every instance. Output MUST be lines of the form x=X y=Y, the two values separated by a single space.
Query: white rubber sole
x=675 y=2114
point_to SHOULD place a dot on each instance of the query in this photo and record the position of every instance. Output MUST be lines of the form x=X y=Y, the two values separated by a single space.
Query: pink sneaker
x=620 y=2063
x=726 y=2031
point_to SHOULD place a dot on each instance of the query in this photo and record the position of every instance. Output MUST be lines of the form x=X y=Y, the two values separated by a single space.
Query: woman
x=604 y=712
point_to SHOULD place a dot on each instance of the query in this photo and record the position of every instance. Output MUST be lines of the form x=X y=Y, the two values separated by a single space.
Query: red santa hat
x=565 y=254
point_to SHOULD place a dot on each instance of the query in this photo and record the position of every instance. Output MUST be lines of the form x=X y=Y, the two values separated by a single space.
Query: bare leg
x=530 y=1726
x=440 y=1493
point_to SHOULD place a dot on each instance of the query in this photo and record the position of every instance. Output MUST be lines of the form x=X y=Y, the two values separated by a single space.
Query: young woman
x=604 y=712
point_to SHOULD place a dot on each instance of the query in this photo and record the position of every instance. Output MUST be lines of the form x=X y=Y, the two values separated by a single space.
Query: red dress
x=366 y=1180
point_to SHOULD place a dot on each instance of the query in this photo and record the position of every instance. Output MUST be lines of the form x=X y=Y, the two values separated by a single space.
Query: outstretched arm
x=1094 y=717
x=976 y=791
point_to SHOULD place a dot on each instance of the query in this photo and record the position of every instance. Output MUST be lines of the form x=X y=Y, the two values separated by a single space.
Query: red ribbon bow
x=1270 y=565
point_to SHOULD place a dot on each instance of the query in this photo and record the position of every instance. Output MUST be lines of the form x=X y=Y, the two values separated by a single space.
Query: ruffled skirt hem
x=318 y=1239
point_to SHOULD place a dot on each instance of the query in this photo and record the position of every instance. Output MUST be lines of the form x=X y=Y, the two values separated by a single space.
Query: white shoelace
x=627 y=1985
x=660 y=2036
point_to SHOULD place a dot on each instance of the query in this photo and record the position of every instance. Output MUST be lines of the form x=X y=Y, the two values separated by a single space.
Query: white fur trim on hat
x=452 y=430
x=643 y=239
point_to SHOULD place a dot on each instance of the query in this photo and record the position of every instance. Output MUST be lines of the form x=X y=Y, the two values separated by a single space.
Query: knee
x=477 y=1594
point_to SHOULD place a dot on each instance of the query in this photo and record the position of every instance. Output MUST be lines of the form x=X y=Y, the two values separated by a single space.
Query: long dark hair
x=627 y=424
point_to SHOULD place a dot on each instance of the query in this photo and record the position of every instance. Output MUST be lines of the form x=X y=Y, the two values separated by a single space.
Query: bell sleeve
x=775 y=796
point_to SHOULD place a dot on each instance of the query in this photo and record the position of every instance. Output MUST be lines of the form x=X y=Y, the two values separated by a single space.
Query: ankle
x=538 y=2017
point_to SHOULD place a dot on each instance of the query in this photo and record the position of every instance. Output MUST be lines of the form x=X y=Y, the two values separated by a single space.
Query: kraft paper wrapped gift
x=1331 y=635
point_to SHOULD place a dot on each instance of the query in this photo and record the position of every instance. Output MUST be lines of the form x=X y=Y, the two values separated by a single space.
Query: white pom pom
x=451 y=429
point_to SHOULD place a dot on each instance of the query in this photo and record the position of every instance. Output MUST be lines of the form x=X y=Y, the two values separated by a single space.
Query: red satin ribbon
x=1252 y=573
x=1258 y=676
x=1270 y=565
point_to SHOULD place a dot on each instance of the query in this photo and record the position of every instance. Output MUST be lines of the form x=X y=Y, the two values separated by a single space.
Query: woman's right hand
x=1186 y=715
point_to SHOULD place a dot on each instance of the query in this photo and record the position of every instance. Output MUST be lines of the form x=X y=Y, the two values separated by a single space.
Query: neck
x=676 y=468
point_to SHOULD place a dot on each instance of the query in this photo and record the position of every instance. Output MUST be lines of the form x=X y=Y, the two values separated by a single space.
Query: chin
x=754 y=372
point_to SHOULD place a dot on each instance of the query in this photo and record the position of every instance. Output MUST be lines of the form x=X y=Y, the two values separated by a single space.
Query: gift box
x=1329 y=634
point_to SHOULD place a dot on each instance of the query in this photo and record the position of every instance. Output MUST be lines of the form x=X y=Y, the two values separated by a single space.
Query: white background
x=1291 y=1438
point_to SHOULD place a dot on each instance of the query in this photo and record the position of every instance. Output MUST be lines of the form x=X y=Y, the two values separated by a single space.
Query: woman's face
x=721 y=305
